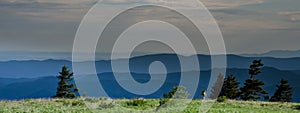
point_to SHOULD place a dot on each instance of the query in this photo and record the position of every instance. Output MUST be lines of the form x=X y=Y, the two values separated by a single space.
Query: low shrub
x=222 y=99
x=64 y=102
x=296 y=107
x=136 y=102
x=78 y=103
x=91 y=100
x=106 y=105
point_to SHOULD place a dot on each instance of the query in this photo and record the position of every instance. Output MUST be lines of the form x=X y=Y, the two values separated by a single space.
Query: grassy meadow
x=139 y=106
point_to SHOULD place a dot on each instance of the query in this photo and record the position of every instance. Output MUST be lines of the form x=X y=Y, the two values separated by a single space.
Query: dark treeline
x=228 y=87
x=252 y=89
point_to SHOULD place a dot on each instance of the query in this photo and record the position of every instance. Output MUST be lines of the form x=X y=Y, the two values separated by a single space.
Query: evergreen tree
x=253 y=87
x=230 y=88
x=178 y=92
x=283 y=93
x=64 y=89
x=252 y=90
x=217 y=86
x=255 y=68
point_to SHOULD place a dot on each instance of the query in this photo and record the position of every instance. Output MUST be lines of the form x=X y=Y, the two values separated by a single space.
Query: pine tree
x=178 y=92
x=255 y=68
x=252 y=90
x=230 y=88
x=64 y=87
x=217 y=86
x=253 y=87
x=283 y=93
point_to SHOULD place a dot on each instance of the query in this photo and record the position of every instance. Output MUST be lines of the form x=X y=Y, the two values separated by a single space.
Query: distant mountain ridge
x=36 y=78
x=276 y=54
x=36 y=68
x=45 y=87
x=23 y=56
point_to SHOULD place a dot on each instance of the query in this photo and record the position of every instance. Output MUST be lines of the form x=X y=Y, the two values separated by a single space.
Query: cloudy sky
x=248 y=26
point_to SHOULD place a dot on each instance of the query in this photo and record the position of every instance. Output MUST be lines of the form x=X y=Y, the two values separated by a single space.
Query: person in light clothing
x=203 y=94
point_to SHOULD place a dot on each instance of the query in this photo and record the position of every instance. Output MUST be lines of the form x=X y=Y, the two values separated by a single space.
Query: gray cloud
x=215 y=4
x=48 y=25
x=294 y=16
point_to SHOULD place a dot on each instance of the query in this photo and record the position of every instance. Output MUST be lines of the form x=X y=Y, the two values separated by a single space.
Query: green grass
x=128 y=106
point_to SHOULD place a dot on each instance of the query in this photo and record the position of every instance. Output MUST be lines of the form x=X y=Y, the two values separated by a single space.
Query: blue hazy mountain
x=276 y=54
x=27 y=55
x=45 y=87
x=36 y=68
x=6 y=81
x=36 y=78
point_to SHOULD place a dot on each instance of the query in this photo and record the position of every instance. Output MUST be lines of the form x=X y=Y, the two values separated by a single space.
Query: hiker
x=203 y=94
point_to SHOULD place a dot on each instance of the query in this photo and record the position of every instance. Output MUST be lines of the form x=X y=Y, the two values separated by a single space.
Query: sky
x=248 y=26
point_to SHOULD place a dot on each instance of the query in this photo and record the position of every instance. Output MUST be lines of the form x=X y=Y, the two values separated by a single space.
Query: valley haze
x=37 y=78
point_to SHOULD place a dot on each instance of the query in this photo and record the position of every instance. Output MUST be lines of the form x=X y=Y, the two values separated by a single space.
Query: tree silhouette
x=283 y=93
x=64 y=87
x=252 y=89
x=230 y=88
x=255 y=68
x=178 y=92
x=217 y=86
